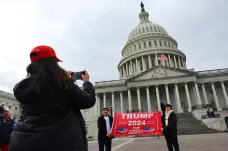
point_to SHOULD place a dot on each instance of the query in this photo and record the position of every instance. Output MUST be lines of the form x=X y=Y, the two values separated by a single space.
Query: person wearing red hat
x=50 y=106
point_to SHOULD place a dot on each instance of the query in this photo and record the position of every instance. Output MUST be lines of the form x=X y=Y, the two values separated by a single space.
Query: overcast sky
x=90 y=34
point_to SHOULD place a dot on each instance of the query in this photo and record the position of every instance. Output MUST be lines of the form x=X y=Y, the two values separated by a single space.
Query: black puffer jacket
x=51 y=122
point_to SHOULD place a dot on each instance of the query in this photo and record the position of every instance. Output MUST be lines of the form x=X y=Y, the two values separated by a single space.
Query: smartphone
x=77 y=75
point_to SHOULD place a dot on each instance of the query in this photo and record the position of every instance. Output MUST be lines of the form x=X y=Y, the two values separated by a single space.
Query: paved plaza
x=210 y=142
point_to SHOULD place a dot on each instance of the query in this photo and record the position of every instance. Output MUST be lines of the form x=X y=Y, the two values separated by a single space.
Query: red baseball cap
x=43 y=51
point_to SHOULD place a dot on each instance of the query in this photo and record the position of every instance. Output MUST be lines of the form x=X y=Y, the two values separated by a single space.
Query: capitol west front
x=146 y=82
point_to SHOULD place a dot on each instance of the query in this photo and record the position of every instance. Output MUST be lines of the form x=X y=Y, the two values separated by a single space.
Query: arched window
x=147 y=29
x=9 y=107
x=150 y=44
x=134 y=47
x=151 y=28
x=165 y=43
x=155 y=43
x=169 y=44
x=139 y=46
x=15 y=108
x=144 y=44
x=143 y=29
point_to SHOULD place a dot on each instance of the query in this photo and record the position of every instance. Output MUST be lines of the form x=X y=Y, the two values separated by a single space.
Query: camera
x=77 y=75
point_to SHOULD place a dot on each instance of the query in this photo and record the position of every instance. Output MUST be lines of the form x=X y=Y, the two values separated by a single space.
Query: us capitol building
x=7 y=99
x=146 y=82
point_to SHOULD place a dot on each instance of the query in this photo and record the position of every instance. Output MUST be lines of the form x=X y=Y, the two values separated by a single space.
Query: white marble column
x=149 y=61
x=204 y=94
x=127 y=71
x=113 y=103
x=163 y=61
x=182 y=61
x=129 y=100
x=224 y=93
x=215 y=97
x=121 y=102
x=148 y=99
x=180 y=67
x=175 y=61
x=198 y=95
x=170 y=62
x=139 y=99
x=156 y=59
x=143 y=64
x=167 y=93
x=104 y=99
x=98 y=106
x=124 y=72
x=158 y=98
x=137 y=65
x=188 y=98
x=131 y=67
x=179 y=109
x=185 y=63
x=120 y=73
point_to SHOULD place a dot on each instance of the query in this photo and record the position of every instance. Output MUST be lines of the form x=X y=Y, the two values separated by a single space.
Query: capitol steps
x=189 y=125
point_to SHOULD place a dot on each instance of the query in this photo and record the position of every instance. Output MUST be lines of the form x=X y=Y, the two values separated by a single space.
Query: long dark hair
x=47 y=74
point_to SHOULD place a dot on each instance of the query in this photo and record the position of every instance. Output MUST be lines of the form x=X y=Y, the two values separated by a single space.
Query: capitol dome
x=146 y=43
x=146 y=27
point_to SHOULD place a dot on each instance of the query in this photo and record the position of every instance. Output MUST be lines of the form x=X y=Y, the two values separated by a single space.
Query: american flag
x=161 y=57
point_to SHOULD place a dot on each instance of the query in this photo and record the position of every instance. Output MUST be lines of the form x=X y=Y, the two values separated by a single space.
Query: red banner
x=141 y=123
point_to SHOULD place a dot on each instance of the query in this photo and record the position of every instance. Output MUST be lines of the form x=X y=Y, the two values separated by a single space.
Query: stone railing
x=7 y=95
x=203 y=106
x=216 y=71
x=109 y=83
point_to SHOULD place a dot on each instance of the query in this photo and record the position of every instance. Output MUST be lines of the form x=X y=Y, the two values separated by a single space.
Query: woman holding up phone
x=50 y=106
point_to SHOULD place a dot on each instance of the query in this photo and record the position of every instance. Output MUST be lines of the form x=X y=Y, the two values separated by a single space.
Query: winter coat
x=6 y=128
x=171 y=128
x=51 y=121
x=102 y=129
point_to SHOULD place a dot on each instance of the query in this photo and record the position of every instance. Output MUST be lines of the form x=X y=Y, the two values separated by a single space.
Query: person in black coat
x=50 y=105
x=163 y=114
x=6 y=128
x=104 y=124
x=170 y=129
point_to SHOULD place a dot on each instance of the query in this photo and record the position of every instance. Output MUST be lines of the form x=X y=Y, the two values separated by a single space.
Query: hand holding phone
x=82 y=75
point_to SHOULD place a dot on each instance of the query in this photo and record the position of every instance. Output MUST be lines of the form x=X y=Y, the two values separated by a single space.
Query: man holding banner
x=170 y=129
x=104 y=124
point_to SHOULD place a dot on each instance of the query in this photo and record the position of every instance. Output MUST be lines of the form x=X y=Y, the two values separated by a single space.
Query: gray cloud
x=91 y=34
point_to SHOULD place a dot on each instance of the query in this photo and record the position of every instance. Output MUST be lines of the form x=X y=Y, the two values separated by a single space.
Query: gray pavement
x=210 y=142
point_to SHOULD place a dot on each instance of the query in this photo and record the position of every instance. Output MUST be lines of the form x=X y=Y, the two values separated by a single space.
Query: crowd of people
x=50 y=111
